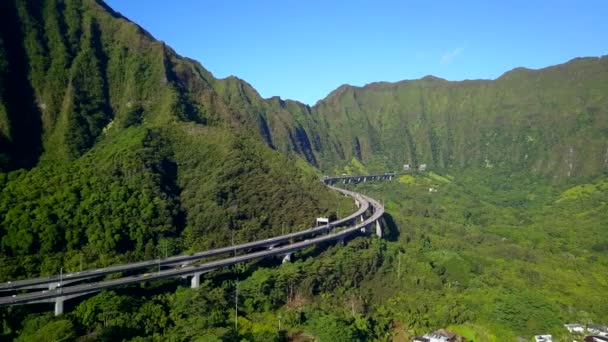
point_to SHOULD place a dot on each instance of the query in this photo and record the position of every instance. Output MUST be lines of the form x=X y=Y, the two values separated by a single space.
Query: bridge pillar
x=287 y=258
x=357 y=203
x=362 y=218
x=195 y=282
x=378 y=228
x=59 y=305
x=364 y=179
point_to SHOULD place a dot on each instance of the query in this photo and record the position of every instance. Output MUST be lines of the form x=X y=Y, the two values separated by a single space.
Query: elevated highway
x=58 y=292
x=68 y=278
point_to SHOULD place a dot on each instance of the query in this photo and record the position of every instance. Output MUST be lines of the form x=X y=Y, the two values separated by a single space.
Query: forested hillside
x=552 y=121
x=113 y=148
x=111 y=145
x=90 y=71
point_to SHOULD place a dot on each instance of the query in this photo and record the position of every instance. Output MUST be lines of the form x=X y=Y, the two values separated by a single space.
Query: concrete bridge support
x=59 y=305
x=195 y=282
x=378 y=228
x=287 y=258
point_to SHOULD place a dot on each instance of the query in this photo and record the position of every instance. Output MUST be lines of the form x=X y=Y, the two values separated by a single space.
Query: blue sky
x=304 y=49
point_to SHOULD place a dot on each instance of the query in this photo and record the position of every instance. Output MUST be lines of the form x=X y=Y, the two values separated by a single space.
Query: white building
x=543 y=338
x=440 y=335
x=575 y=328
x=432 y=337
x=597 y=329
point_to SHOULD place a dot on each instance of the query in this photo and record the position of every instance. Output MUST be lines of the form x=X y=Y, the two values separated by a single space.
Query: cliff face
x=552 y=121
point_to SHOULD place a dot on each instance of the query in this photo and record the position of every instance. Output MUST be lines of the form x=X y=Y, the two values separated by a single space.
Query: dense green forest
x=125 y=198
x=491 y=255
x=107 y=153
x=113 y=149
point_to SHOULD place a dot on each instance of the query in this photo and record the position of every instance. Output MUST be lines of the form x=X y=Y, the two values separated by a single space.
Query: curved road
x=66 y=278
x=75 y=290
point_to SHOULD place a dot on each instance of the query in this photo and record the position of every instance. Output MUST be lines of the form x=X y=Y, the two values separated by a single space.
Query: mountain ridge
x=323 y=136
x=114 y=144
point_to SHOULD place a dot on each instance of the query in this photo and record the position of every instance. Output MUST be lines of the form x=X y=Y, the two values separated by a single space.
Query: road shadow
x=391 y=230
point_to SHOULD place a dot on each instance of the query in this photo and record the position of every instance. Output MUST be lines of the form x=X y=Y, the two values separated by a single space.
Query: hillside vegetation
x=112 y=146
x=113 y=149
x=551 y=121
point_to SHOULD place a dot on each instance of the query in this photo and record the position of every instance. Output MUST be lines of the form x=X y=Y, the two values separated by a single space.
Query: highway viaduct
x=57 y=289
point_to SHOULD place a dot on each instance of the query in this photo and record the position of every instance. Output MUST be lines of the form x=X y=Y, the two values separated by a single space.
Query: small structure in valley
x=543 y=338
x=575 y=328
x=440 y=335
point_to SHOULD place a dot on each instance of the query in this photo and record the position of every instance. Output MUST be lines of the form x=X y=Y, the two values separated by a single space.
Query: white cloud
x=450 y=55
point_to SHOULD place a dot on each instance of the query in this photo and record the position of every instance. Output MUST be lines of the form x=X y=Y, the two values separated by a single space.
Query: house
x=440 y=335
x=407 y=167
x=422 y=167
x=597 y=329
x=575 y=328
x=543 y=338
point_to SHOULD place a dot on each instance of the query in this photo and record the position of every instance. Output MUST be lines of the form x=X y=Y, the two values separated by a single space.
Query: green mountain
x=551 y=121
x=92 y=72
x=111 y=145
x=113 y=148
